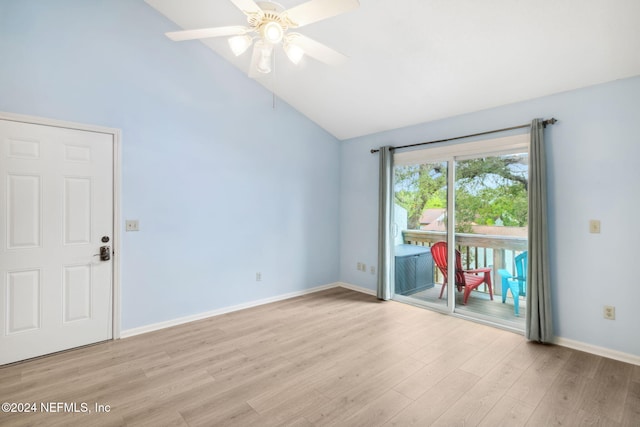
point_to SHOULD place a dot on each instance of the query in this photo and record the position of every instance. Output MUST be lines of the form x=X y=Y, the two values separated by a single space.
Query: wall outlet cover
x=609 y=312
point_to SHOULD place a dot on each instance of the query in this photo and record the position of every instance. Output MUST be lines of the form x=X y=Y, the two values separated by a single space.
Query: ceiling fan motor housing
x=269 y=23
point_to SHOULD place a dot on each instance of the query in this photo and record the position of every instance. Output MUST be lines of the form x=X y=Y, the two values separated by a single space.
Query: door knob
x=105 y=253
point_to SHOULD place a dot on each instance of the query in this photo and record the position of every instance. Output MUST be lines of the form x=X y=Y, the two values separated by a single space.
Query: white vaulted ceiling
x=414 y=61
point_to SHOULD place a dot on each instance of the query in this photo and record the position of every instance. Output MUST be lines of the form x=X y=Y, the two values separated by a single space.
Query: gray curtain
x=539 y=323
x=385 y=222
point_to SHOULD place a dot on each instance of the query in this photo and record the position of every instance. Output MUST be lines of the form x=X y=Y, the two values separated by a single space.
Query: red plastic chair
x=465 y=279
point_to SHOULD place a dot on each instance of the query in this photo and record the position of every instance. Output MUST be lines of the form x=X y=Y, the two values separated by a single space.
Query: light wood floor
x=335 y=357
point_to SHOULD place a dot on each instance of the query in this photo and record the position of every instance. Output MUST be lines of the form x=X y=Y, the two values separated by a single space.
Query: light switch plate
x=594 y=226
x=132 y=225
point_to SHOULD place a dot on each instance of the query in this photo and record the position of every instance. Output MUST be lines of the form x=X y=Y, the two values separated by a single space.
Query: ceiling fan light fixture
x=294 y=52
x=239 y=44
x=272 y=32
x=264 y=63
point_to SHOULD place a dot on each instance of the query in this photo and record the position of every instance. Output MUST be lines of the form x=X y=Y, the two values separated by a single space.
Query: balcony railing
x=477 y=250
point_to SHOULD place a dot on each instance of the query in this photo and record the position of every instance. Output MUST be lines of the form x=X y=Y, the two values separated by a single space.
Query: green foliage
x=437 y=200
x=419 y=187
x=488 y=190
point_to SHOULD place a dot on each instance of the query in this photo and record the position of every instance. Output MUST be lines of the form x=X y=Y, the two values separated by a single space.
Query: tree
x=511 y=168
x=487 y=190
x=492 y=188
x=419 y=187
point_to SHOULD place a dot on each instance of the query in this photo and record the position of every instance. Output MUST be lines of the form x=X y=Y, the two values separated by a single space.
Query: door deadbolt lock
x=105 y=253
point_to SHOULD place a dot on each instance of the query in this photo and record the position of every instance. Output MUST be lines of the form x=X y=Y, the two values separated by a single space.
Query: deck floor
x=479 y=303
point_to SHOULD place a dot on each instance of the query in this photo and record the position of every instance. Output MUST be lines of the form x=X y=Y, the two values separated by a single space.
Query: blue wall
x=593 y=154
x=224 y=186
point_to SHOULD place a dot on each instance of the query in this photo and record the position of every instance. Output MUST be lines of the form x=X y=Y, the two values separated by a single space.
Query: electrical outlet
x=609 y=312
x=132 y=225
x=594 y=226
x=258 y=277
x=359 y=266
x=372 y=269
x=364 y=267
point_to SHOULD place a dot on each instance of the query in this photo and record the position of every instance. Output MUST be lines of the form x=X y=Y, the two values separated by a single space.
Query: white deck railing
x=477 y=250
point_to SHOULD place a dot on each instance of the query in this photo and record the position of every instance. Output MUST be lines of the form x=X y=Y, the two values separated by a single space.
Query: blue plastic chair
x=517 y=284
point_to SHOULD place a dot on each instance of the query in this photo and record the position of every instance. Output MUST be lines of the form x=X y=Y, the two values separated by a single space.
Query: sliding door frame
x=451 y=153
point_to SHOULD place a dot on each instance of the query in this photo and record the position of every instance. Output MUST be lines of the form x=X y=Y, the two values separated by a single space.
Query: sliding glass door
x=420 y=215
x=491 y=217
x=473 y=196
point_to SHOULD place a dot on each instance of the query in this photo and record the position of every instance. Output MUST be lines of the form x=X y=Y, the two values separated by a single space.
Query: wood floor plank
x=335 y=357
x=508 y=412
x=293 y=403
x=474 y=405
x=165 y=418
x=562 y=399
x=450 y=343
x=353 y=374
x=538 y=377
x=378 y=411
x=435 y=401
x=492 y=354
x=582 y=418
x=349 y=402
x=450 y=358
x=299 y=422
x=581 y=363
x=607 y=392
x=213 y=361
x=240 y=414
x=631 y=412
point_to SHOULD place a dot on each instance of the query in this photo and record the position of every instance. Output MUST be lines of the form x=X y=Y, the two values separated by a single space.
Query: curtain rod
x=544 y=123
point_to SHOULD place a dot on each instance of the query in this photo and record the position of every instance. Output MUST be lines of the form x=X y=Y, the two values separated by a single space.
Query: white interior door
x=56 y=211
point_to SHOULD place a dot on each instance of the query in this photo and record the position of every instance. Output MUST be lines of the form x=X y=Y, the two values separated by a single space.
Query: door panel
x=23 y=301
x=23 y=149
x=23 y=211
x=77 y=210
x=77 y=292
x=56 y=204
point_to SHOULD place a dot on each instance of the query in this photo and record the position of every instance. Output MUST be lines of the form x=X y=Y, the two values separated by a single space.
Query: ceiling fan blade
x=247 y=6
x=317 y=10
x=316 y=49
x=204 y=33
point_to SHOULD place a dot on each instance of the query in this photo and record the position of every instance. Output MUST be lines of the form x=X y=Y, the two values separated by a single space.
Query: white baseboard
x=179 y=321
x=356 y=288
x=598 y=351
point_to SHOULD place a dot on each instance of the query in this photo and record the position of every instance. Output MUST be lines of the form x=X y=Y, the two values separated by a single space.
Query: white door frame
x=116 y=135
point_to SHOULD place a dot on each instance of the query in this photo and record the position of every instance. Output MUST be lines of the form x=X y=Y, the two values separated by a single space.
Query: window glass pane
x=491 y=216
x=420 y=222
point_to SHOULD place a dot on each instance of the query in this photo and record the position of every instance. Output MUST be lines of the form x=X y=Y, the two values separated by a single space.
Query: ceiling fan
x=269 y=23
